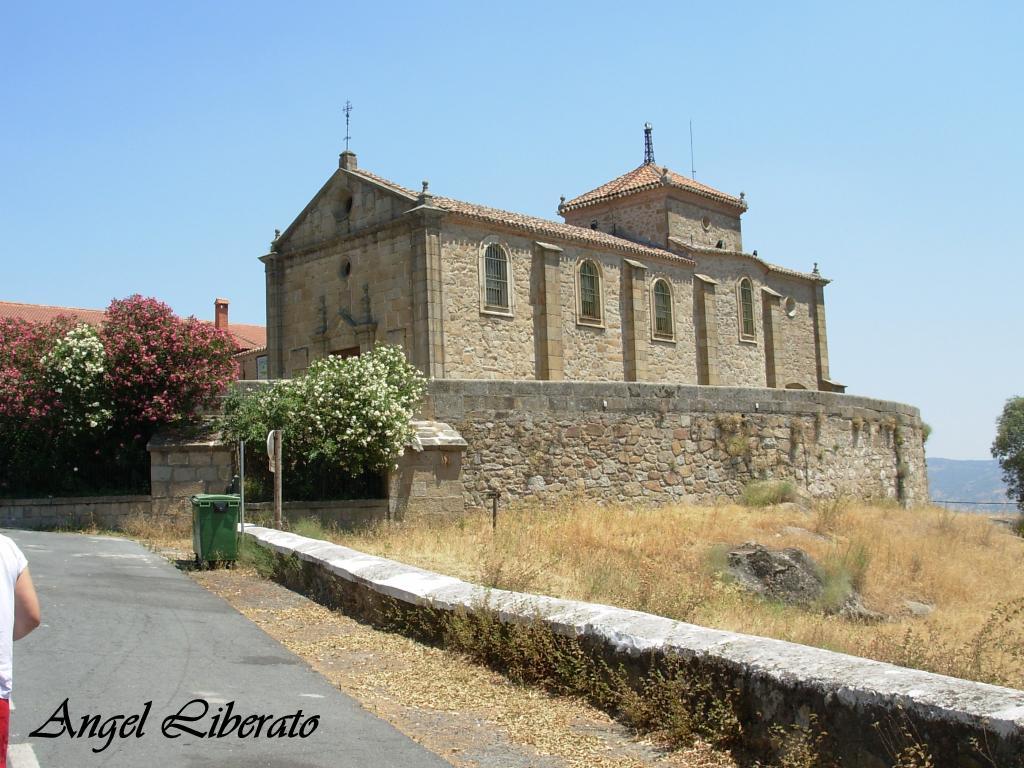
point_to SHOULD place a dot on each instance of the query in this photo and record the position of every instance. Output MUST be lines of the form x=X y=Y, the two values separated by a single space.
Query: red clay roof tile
x=648 y=176
x=246 y=336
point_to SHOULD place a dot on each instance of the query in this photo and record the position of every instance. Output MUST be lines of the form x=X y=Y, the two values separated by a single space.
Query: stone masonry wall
x=741 y=362
x=488 y=345
x=642 y=218
x=181 y=467
x=345 y=278
x=777 y=684
x=102 y=511
x=686 y=222
x=480 y=344
x=674 y=359
x=662 y=443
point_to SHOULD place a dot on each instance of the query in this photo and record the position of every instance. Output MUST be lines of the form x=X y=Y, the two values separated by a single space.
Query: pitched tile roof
x=555 y=229
x=43 y=313
x=246 y=336
x=697 y=250
x=648 y=176
x=533 y=224
x=404 y=191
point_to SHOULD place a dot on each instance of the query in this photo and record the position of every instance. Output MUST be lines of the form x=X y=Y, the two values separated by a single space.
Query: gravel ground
x=467 y=714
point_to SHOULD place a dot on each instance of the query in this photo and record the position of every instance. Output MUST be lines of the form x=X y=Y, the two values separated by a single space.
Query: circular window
x=706 y=223
x=790 y=307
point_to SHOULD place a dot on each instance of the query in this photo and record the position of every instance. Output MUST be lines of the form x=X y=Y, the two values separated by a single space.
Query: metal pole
x=277 y=480
x=241 y=483
x=494 y=496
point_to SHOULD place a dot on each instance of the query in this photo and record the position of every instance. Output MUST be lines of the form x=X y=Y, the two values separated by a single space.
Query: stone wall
x=662 y=443
x=427 y=481
x=686 y=222
x=742 y=362
x=182 y=465
x=340 y=282
x=863 y=706
x=72 y=512
x=344 y=514
x=345 y=278
x=483 y=344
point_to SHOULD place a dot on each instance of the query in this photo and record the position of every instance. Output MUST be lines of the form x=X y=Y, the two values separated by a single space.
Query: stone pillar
x=428 y=304
x=635 y=320
x=274 y=272
x=427 y=479
x=706 y=324
x=821 y=338
x=186 y=462
x=770 y=302
x=547 y=325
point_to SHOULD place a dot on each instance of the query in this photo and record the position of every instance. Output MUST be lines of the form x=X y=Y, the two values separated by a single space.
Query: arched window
x=496 y=283
x=747 y=331
x=590 y=292
x=663 y=327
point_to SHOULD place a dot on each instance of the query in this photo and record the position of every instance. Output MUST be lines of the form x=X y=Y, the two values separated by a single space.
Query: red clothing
x=5 y=727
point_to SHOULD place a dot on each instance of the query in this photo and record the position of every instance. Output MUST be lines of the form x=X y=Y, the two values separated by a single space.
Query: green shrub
x=256 y=557
x=763 y=493
x=310 y=528
x=345 y=421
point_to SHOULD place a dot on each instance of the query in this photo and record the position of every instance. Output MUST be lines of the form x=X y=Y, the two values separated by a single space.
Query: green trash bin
x=215 y=527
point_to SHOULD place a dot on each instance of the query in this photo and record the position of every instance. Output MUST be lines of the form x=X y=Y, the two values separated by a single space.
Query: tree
x=1008 y=448
x=162 y=369
x=78 y=406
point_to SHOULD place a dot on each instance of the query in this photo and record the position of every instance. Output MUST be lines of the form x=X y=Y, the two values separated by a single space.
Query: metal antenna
x=693 y=173
x=348 y=113
x=648 y=144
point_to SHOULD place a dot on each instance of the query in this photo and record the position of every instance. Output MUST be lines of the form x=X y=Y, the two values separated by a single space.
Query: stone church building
x=645 y=280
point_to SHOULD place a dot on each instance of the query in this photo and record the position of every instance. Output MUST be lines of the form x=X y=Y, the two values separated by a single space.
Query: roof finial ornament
x=348 y=113
x=815 y=270
x=648 y=144
x=425 y=196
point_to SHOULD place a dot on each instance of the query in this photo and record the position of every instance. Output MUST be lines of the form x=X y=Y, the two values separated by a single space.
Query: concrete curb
x=783 y=681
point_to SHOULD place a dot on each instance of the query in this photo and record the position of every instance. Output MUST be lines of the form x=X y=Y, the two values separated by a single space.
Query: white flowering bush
x=348 y=415
x=74 y=368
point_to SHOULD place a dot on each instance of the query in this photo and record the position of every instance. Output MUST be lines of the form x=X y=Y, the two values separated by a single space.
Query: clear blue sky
x=153 y=148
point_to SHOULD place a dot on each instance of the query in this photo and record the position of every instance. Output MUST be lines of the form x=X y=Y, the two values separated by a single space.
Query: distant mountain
x=970 y=481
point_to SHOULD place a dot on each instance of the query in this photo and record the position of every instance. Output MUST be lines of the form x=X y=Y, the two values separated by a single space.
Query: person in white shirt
x=19 y=615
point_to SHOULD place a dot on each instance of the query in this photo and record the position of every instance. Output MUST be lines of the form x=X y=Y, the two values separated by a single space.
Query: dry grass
x=160 y=532
x=466 y=713
x=667 y=561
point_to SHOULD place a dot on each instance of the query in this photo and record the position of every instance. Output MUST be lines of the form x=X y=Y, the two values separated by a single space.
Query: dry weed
x=657 y=560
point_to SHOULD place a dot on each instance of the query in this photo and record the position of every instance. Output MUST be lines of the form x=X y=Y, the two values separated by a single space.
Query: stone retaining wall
x=778 y=682
x=72 y=512
x=345 y=514
x=662 y=443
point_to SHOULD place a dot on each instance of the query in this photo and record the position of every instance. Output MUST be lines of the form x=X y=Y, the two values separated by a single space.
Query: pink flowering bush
x=78 y=406
x=162 y=369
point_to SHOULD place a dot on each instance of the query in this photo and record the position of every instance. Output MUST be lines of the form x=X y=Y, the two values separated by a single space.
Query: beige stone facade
x=645 y=281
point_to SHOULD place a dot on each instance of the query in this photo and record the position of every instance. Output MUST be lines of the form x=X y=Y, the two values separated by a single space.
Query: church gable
x=350 y=201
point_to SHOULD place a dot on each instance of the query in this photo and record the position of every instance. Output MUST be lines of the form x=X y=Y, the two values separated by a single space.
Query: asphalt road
x=123 y=627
